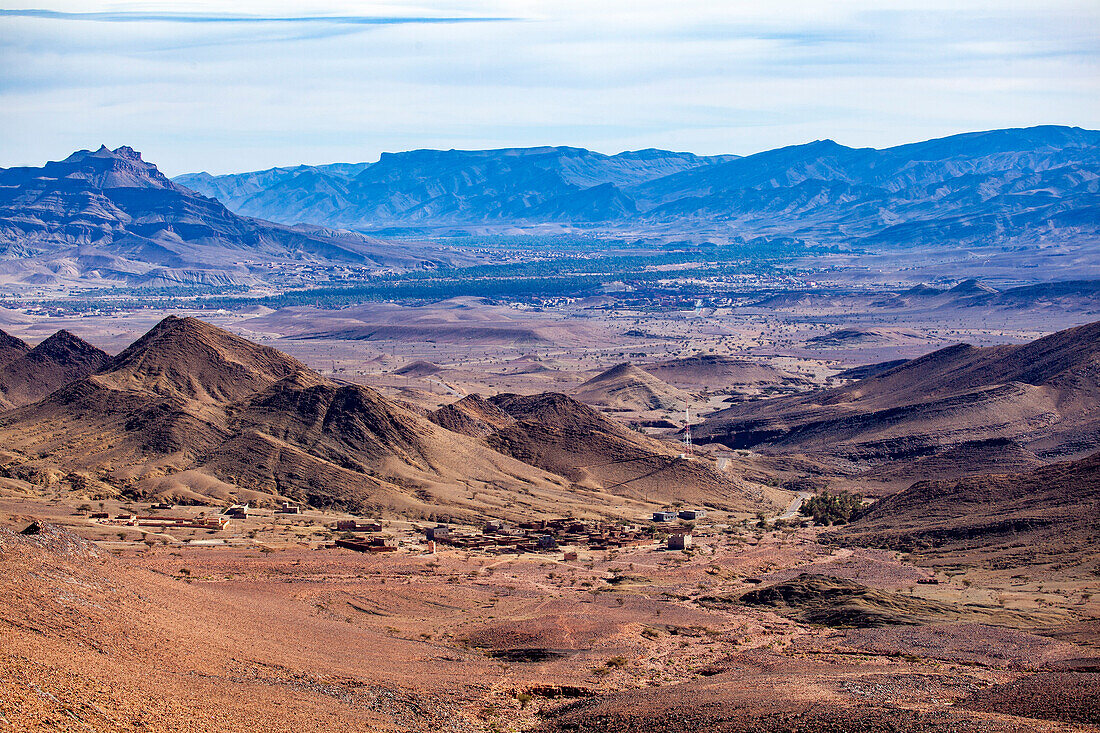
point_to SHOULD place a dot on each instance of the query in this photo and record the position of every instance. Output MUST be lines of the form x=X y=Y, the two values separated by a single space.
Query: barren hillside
x=627 y=387
x=1042 y=396
x=559 y=434
x=11 y=347
x=1050 y=514
x=57 y=361
x=194 y=413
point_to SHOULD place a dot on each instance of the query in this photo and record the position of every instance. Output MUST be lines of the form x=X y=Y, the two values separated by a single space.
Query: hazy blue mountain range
x=999 y=186
x=110 y=216
x=451 y=186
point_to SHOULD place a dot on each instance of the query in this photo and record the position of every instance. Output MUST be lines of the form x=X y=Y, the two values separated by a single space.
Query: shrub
x=826 y=508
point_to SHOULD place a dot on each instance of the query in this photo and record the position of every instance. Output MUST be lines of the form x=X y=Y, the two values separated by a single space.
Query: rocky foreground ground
x=232 y=639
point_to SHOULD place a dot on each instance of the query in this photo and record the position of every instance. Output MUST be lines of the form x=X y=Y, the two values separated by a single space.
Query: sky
x=196 y=86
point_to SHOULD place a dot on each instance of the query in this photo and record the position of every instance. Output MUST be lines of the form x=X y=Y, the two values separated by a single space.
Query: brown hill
x=192 y=412
x=839 y=602
x=190 y=399
x=994 y=455
x=160 y=402
x=472 y=415
x=419 y=368
x=870 y=370
x=1049 y=514
x=60 y=359
x=190 y=359
x=626 y=387
x=563 y=436
x=722 y=372
x=530 y=365
x=1042 y=395
x=350 y=446
x=11 y=347
x=865 y=337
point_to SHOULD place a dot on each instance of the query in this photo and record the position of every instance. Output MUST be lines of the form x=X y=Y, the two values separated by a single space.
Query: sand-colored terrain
x=896 y=622
x=133 y=636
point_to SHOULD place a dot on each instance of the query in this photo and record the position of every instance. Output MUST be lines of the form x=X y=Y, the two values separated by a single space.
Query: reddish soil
x=234 y=639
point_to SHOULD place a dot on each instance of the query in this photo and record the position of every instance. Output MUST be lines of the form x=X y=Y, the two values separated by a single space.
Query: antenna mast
x=687 y=431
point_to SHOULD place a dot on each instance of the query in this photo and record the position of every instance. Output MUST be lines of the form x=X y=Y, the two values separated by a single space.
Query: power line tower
x=688 y=447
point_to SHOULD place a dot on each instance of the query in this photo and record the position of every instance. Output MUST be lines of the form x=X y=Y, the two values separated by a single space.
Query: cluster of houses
x=202 y=521
x=354 y=525
x=369 y=544
x=542 y=536
x=496 y=537
x=679 y=540
x=364 y=544
x=547 y=535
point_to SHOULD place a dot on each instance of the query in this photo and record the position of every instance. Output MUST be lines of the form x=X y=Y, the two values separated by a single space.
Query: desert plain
x=767 y=621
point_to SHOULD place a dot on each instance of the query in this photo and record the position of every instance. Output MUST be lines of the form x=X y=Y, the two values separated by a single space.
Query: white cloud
x=706 y=76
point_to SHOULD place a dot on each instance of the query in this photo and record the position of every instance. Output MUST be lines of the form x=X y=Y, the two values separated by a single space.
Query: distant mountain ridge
x=994 y=186
x=420 y=186
x=109 y=216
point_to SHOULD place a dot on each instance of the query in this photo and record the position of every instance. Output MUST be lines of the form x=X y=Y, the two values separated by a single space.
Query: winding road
x=795 y=505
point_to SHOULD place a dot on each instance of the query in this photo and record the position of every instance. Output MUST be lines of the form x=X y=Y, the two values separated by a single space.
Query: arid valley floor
x=954 y=604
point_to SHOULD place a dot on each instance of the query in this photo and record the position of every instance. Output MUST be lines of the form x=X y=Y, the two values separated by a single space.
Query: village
x=241 y=524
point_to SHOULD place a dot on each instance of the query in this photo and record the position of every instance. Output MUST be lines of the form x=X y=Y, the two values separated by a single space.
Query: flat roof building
x=442 y=532
x=679 y=541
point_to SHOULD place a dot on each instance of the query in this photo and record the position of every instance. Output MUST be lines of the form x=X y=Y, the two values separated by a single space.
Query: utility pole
x=688 y=447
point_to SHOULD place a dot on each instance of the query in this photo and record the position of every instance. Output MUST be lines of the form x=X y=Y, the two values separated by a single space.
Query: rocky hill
x=11 y=347
x=194 y=413
x=864 y=337
x=57 y=361
x=558 y=434
x=473 y=415
x=998 y=186
x=628 y=387
x=1042 y=396
x=1049 y=514
x=110 y=217
x=418 y=368
x=728 y=373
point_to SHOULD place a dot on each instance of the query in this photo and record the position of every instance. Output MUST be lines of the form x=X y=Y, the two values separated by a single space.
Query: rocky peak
x=64 y=347
x=122 y=167
x=190 y=358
